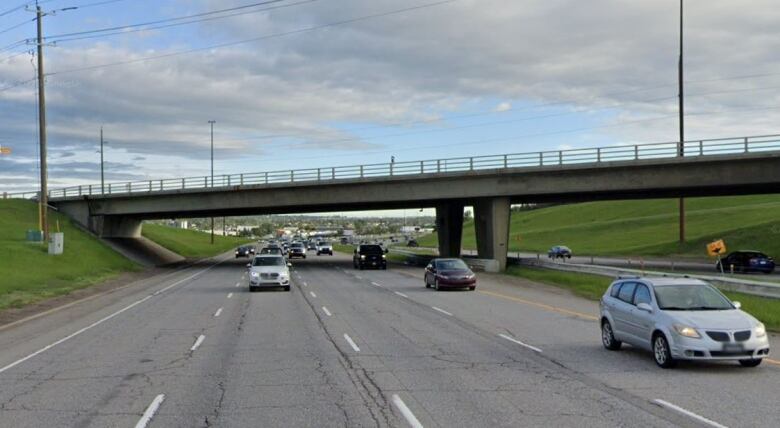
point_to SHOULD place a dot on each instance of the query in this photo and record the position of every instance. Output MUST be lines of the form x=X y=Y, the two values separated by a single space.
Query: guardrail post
x=391 y=168
x=183 y=183
x=109 y=188
x=228 y=177
x=422 y=167
x=90 y=190
x=333 y=173
x=206 y=182
x=506 y=162
x=541 y=158
x=746 y=144
x=636 y=152
x=241 y=180
x=598 y=154
x=471 y=164
x=150 y=185
x=701 y=147
x=319 y=174
x=560 y=157
x=79 y=190
x=292 y=176
x=438 y=165
x=161 y=185
x=361 y=171
x=266 y=177
x=128 y=188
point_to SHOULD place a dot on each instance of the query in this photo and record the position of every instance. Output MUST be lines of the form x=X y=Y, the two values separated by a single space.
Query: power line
x=13 y=27
x=157 y=27
x=254 y=39
x=180 y=18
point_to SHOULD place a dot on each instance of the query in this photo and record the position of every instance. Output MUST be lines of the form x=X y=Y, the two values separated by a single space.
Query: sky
x=296 y=84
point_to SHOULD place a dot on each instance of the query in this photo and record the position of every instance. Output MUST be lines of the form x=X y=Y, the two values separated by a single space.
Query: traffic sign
x=716 y=248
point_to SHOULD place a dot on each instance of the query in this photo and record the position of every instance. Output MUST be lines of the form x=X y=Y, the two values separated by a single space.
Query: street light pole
x=211 y=123
x=681 y=148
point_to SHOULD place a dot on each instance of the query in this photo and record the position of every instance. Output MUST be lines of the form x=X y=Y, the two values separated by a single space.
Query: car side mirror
x=249 y=265
x=645 y=307
x=737 y=304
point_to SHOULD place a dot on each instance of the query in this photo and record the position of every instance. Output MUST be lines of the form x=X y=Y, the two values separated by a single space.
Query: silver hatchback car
x=680 y=319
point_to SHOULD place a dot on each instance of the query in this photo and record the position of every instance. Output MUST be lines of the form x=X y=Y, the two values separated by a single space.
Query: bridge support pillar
x=491 y=223
x=102 y=226
x=449 y=226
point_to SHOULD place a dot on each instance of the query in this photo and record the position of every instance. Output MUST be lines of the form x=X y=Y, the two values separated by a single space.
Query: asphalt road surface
x=194 y=348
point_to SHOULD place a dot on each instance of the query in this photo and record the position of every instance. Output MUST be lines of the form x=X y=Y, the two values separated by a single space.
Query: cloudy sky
x=318 y=83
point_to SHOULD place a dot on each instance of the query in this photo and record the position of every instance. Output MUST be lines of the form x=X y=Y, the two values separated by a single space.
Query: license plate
x=732 y=347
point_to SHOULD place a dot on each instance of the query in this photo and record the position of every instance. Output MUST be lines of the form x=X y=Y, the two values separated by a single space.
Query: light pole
x=681 y=148
x=211 y=123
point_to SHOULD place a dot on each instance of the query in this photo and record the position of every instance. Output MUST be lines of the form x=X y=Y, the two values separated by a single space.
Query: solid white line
x=351 y=342
x=375 y=284
x=358 y=277
x=312 y=294
x=305 y=284
x=219 y=311
x=413 y=422
x=150 y=411
x=512 y=339
x=197 y=343
x=441 y=310
x=230 y=295
x=327 y=312
x=688 y=413
x=401 y=294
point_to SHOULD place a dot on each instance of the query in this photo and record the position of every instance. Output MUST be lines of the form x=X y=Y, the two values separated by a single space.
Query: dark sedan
x=449 y=273
x=244 y=252
x=747 y=261
x=559 y=252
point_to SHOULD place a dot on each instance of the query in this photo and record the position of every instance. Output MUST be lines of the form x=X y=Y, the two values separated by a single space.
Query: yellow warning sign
x=716 y=248
x=5 y=150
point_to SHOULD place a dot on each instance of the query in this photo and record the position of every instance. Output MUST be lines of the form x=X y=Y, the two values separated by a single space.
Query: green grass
x=190 y=243
x=644 y=227
x=344 y=248
x=28 y=274
x=592 y=287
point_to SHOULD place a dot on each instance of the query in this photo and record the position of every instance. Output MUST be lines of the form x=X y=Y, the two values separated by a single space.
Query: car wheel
x=661 y=353
x=750 y=363
x=473 y=288
x=426 y=282
x=360 y=266
x=436 y=284
x=286 y=288
x=304 y=257
x=318 y=253
x=608 y=337
x=252 y=289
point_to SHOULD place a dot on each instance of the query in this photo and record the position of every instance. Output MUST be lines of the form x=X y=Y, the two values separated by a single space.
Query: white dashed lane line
x=197 y=343
x=351 y=342
x=441 y=310
x=219 y=311
x=375 y=284
x=401 y=294
x=406 y=412
x=688 y=413
x=512 y=339
x=327 y=312
x=312 y=294
x=150 y=411
x=229 y=295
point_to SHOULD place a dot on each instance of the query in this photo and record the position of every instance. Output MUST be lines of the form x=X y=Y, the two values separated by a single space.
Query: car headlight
x=254 y=274
x=384 y=256
x=470 y=276
x=362 y=257
x=760 y=330
x=684 y=330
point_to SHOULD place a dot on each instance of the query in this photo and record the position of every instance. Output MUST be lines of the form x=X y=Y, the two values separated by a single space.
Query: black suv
x=369 y=255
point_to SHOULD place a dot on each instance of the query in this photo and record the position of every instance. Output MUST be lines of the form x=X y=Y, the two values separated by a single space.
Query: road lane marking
x=230 y=295
x=312 y=294
x=305 y=284
x=401 y=294
x=375 y=284
x=512 y=339
x=688 y=413
x=327 y=312
x=237 y=284
x=351 y=342
x=150 y=411
x=219 y=311
x=441 y=310
x=358 y=277
x=407 y=414
x=540 y=305
x=197 y=343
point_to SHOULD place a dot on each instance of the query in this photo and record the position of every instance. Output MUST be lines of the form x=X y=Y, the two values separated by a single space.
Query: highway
x=194 y=348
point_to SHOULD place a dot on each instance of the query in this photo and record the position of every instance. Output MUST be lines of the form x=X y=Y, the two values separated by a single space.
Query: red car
x=449 y=273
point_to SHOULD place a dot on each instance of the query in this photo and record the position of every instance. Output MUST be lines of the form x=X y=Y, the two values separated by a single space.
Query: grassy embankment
x=190 y=243
x=644 y=227
x=28 y=274
x=593 y=286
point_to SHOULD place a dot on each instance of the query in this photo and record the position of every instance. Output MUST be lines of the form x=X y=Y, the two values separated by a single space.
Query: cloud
x=504 y=106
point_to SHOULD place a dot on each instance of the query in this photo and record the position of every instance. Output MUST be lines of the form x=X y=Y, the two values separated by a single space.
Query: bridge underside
x=490 y=192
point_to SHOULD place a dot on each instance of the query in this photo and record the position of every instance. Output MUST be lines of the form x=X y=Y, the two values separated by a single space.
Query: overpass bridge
x=731 y=166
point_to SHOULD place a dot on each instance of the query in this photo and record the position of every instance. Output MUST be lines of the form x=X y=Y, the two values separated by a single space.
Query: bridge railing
x=721 y=146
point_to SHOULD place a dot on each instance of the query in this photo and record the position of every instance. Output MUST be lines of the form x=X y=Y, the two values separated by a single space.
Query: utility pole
x=43 y=199
x=212 y=122
x=681 y=148
x=102 y=176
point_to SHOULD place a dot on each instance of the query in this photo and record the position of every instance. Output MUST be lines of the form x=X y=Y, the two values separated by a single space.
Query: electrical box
x=56 y=243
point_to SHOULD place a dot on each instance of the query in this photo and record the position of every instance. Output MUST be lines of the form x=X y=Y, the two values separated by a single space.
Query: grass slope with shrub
x=190 y=243
x=643 y=227
x=28 y=274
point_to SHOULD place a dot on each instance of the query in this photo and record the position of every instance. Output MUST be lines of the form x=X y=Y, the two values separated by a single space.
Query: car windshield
x=691 y=297
x=323 y=243
x=371 y=249
x=271 y=250
x=451 y=265
x=268 y=261
x=297 y=245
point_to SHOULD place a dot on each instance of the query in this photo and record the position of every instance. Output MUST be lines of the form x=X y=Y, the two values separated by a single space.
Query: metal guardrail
x=720 y=146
